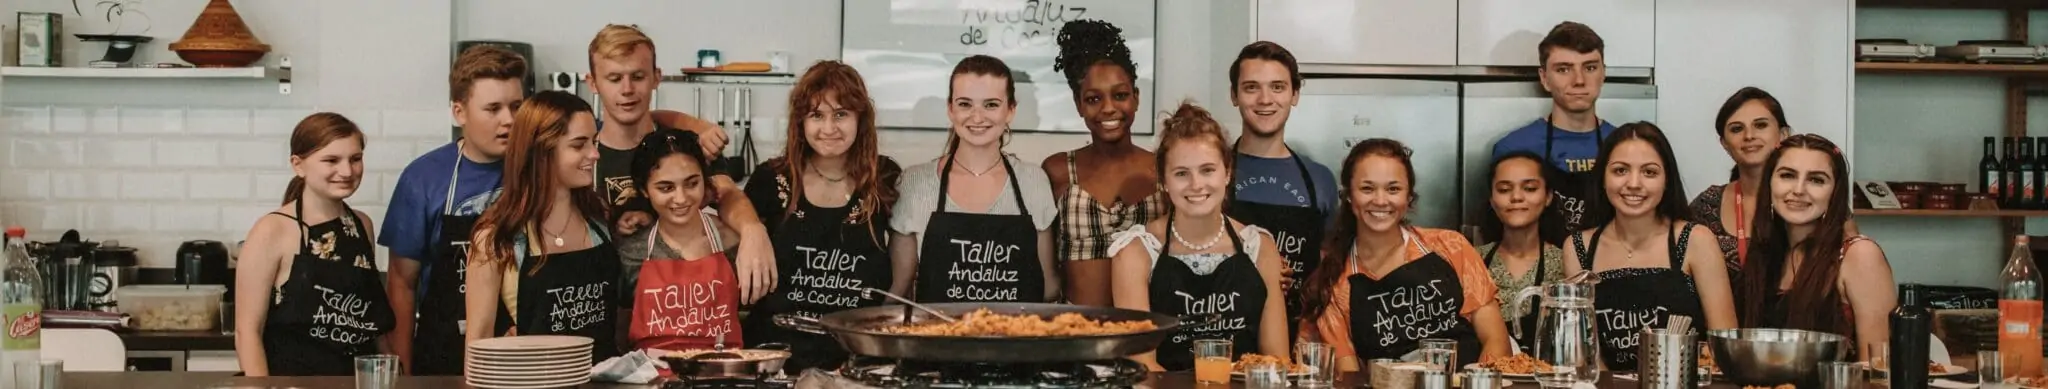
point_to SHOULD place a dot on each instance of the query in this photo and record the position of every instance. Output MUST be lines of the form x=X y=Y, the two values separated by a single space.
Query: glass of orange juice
x=1212 y=361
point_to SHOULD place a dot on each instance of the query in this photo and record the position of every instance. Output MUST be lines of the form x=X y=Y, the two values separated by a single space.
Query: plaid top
x=1085 y=226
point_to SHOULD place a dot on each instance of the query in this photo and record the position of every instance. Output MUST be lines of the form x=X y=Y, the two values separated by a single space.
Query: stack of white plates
x=522 y=362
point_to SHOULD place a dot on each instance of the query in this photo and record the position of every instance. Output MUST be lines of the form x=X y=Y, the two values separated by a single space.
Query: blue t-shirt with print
x=412 y=222
x=1278 y=181
x=1572 y=152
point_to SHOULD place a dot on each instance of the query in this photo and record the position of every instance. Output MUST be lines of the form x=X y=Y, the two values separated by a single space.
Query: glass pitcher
x=1566 y=333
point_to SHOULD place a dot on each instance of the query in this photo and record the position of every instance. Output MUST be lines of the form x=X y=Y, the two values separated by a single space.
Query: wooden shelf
x=1953 y=69
x=76 y=72
x=1954 y=4
x=1949 y=213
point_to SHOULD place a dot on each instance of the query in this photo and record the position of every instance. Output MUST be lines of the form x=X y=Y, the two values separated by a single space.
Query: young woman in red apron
x=685 y=294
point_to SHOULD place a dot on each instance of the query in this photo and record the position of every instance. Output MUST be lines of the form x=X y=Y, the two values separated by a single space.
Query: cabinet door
x=1336 y=114
x=1505 y=32
x=1362 y=32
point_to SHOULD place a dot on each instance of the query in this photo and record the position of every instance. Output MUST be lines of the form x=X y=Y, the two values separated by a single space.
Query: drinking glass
x=27 y=374
x=1840 y=375
x=1321 y=361
x=377 y=371
x=1880 y=356
x=1212 y=361
x=1707 y=364
x=1264 y=375
x=1990 y=367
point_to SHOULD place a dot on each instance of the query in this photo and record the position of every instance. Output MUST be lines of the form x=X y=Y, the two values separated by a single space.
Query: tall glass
x=1212 y=361
x=1321 y=361
x=379 y=371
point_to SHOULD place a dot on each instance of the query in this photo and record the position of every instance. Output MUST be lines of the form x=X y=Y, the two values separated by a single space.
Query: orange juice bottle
x=1212 y=370
x=2019 y=313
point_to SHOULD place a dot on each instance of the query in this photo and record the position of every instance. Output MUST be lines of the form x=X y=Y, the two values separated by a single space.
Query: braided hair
x=1085 y=42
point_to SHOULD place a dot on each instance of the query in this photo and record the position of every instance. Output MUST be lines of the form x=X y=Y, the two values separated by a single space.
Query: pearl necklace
x=1221 y=228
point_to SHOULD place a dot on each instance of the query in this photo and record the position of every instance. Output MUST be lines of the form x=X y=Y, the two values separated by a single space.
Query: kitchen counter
x=177 y=340
x=151 y=380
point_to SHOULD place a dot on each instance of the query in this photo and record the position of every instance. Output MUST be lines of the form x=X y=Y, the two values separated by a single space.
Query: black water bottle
x=1911 y=324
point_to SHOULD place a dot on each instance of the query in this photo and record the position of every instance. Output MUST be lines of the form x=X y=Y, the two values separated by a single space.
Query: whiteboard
x=906 y=50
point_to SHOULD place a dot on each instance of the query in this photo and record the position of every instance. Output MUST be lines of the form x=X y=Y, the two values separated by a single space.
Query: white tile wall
x=153 y=176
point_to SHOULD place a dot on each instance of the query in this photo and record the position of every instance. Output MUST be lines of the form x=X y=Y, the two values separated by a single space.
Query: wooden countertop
x=226 y=380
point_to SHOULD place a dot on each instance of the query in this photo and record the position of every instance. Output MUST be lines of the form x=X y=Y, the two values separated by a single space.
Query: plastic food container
x=172 y=307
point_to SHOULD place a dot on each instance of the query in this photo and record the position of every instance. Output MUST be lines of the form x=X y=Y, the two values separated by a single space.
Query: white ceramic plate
x=530 y=343
x=495 y=384
x=532 y=373
x=528 y=365
x=1524 y=376
x=560 y=354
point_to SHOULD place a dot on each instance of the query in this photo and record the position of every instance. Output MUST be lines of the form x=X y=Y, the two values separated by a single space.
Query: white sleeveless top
x=1203 y=263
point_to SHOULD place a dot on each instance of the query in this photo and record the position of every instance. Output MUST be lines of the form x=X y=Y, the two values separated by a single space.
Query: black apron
x=1526 y=339
x=1234 y=289
x=576 y=293
x=1417 y=300
x=824 y=263
x=437 y=337
x=1297 y=233
x=979 y=257
x=1635 y=298
x=328 y=311
x=1571 y=196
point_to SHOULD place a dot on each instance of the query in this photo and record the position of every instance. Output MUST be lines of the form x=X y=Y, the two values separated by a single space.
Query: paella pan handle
x=799 y=323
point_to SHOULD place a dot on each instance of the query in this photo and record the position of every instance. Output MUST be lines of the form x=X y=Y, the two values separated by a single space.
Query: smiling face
x=486 y=116
x=1264 y=95
x=1519 y=192
x=1380 y=193
x=676 y=188
x=1751 y=133
x=335 y=170
x=1802 y=187
x=981 y=109
x=625 y=83
x=1108 y=101
x=1573 y=78
x=830 y=127
x=576 y=154
x=1195 y=178
x=1634 y=178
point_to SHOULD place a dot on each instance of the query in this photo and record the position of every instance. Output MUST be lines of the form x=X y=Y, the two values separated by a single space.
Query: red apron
x=685 y=304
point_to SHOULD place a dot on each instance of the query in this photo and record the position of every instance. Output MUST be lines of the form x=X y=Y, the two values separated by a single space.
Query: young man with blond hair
x=624 y=77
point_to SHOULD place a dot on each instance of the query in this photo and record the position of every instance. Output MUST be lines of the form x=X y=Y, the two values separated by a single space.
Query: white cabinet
x=1335 y=114
x=1362 y=32
x=1505 y=32
x=212 y=360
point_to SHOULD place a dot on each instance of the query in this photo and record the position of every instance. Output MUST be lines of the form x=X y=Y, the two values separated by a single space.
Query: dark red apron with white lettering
x=683 y=304
x=1418 y=300
x=971 y=257
x=332 y=307
x=1234 y=289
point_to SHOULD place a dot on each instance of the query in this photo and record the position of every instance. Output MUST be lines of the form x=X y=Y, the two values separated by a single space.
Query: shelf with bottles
x=1954 y=69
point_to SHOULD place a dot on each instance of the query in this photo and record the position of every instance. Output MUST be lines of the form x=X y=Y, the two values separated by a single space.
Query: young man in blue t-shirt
x=1273 y=187
x=1574 y=69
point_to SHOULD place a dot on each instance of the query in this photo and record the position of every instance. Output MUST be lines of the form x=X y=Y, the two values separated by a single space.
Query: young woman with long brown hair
x=1240 y=281
x=826 y=203
x=1103 y=78
x=1640 y=216
x=546 y=232
x=311 y=296
x=980 y=227
x=1806 y=260
x=1372 y=253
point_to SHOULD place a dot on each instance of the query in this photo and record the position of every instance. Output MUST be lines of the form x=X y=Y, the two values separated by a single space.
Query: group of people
x=629 y=231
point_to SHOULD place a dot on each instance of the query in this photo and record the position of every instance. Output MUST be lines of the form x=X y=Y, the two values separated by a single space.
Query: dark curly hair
x=1085 y=42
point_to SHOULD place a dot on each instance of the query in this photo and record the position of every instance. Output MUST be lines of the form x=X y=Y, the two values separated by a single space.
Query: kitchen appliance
x=1993 y=51
x=860 y=332
x=203 y=262
x=564 y=82
x=67 y=272
x=113 y=267
x=1566 y=332
x=1892 y=50
x=760 y=362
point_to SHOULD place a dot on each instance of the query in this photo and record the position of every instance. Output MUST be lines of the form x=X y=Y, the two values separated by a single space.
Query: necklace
x=1221 y=228
x=821 y=174
x=983 y=172
x=557 y=234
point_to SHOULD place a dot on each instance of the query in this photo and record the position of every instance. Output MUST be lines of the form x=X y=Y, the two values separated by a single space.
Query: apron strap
x=946 y=180
x=454 y=176
x=1678 y=239
x=1550 y=129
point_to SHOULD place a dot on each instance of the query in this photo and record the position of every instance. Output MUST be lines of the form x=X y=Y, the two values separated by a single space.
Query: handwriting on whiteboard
x=1037 y=23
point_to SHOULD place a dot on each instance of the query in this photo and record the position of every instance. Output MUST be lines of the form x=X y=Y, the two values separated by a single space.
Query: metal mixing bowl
x=1768 y=356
